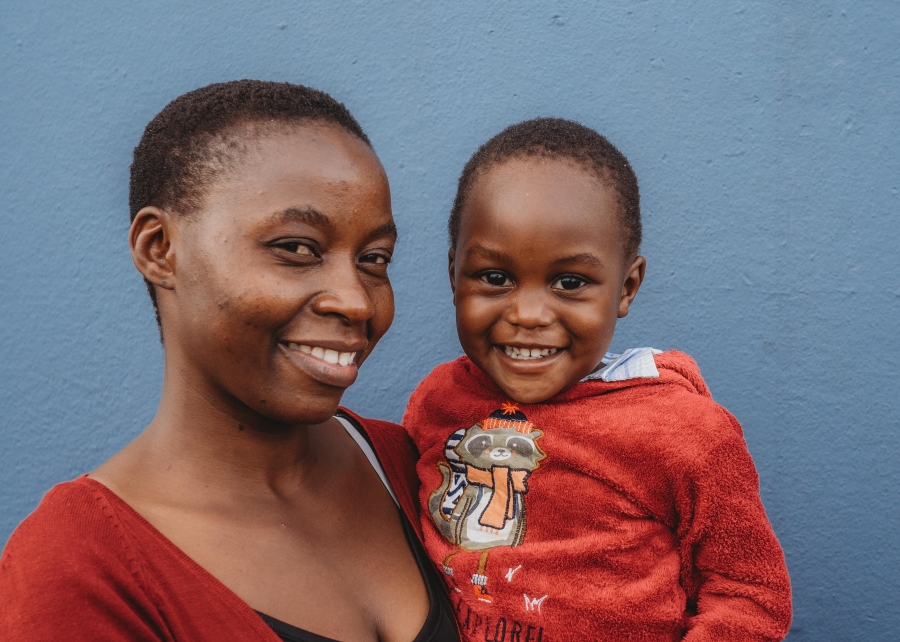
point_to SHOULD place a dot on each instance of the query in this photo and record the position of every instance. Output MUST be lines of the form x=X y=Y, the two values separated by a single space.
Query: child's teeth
x=528 y=353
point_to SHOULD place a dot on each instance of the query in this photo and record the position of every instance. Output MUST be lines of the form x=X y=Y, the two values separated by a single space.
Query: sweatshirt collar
x=634 y=363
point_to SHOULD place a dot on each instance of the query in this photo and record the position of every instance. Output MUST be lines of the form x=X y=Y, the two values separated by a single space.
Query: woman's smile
x=332 y=367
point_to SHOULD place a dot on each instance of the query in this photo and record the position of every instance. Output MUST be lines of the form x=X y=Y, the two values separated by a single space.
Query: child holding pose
x=569 y=493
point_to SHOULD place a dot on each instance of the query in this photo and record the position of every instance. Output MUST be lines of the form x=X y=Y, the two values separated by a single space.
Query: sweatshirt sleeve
x=735 y=569
x=59 y=581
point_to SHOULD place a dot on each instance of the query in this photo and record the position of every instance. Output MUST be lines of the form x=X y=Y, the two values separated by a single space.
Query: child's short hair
x=193 y=138
x=558 y=138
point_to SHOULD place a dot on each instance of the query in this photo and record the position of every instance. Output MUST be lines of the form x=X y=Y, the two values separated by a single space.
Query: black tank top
x=439 y=624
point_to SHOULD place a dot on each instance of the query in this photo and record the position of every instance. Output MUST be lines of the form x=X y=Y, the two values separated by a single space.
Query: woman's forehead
x=306 y=169
x=319 y=150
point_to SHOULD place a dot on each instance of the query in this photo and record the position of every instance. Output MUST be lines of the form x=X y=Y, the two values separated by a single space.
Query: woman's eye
x=295 y=247
x=569 y=283
x=377 y=259
x=496 y=278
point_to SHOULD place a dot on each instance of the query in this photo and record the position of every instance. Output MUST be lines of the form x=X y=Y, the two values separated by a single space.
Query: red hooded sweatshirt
x=624 y=510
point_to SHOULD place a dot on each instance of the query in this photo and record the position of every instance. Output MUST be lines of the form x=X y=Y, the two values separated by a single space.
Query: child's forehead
x=544 y=200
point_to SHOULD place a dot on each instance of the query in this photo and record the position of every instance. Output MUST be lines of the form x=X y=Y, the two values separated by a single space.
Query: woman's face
x=282 y=288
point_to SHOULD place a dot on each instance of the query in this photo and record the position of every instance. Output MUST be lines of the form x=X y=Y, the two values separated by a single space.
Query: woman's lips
x=333 y=357
x=332 y=367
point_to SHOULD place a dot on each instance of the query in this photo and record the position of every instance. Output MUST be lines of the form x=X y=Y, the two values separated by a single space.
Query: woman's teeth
x=528 y=353
x=328 y=356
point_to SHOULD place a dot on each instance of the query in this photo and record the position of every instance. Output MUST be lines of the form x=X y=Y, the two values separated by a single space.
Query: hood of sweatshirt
x=675 y=368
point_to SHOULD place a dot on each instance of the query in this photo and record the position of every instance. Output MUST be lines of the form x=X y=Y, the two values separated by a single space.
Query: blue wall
x=764 y=135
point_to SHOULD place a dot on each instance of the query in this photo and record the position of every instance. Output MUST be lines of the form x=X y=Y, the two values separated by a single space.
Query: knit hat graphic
x=508 y=416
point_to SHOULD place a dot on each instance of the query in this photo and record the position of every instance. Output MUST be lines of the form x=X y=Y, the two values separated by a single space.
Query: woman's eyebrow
x=385 y=229
x=306 y=214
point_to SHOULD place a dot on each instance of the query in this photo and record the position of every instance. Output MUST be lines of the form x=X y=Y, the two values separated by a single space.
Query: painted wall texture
x=764 y=135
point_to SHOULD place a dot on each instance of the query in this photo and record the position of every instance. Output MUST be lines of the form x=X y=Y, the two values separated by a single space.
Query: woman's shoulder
x=388 y=440
x=74 y=516
x=397 y=456
x=75 y=533
x=70 y=559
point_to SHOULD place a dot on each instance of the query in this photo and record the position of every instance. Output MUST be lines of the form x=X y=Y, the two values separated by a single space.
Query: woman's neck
x=203 y=438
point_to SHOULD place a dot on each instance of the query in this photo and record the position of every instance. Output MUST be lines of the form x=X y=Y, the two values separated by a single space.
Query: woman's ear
x=451 y=268
x=150 y=239
x=634 y=276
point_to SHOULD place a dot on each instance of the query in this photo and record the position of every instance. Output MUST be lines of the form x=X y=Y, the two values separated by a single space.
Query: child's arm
x=733 y=565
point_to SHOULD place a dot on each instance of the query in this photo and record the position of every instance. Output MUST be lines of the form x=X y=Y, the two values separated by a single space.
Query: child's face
x=539 y=275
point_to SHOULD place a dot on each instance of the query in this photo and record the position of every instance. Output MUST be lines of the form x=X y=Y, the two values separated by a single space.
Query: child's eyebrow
x=585 y=257
x=306 y=214
x=487 y=253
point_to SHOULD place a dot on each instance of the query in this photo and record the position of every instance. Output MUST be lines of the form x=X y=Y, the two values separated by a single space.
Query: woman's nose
x=345 y=294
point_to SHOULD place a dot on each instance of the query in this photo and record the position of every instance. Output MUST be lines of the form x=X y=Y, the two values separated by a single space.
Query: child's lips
x=514 y=359
x=527 y=353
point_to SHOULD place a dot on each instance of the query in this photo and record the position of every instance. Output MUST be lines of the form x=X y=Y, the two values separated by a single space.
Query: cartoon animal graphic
x=480 y=503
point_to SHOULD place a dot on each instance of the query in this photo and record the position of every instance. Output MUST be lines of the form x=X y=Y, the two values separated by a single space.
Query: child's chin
x=529 y=391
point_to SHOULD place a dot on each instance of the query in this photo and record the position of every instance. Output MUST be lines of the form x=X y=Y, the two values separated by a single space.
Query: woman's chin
x=307 y=411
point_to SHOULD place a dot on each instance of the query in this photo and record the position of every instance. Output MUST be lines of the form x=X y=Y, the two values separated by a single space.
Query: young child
x=568 y=493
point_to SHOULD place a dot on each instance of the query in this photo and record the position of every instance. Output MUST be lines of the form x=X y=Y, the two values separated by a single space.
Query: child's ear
x=451 y=268
x=634 y=276
x=150 y=239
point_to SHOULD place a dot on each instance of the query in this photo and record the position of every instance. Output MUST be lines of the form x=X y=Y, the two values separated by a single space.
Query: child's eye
x=569 y=282
x=496 y=278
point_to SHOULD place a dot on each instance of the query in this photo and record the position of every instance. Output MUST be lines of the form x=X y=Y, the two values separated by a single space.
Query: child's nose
x=530 y=309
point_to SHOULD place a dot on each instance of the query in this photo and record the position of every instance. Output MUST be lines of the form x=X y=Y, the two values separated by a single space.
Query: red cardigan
x=616 y=511
x=85 y=566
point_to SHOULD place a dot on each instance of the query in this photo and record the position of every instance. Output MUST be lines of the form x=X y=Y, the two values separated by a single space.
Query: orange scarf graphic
x=504 y=482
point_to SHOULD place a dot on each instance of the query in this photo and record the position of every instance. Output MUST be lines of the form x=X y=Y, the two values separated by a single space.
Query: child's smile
x=528 y=354
x=539 y=275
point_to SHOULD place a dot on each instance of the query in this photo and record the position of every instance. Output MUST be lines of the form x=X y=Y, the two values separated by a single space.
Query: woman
x=247 y=509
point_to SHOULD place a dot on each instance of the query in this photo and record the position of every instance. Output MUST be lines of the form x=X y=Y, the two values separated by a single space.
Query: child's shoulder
x=683 y=405
x=663 y=395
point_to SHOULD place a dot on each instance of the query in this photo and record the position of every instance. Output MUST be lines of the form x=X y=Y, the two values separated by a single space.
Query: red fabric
x=642 y=522
x=85 y=566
